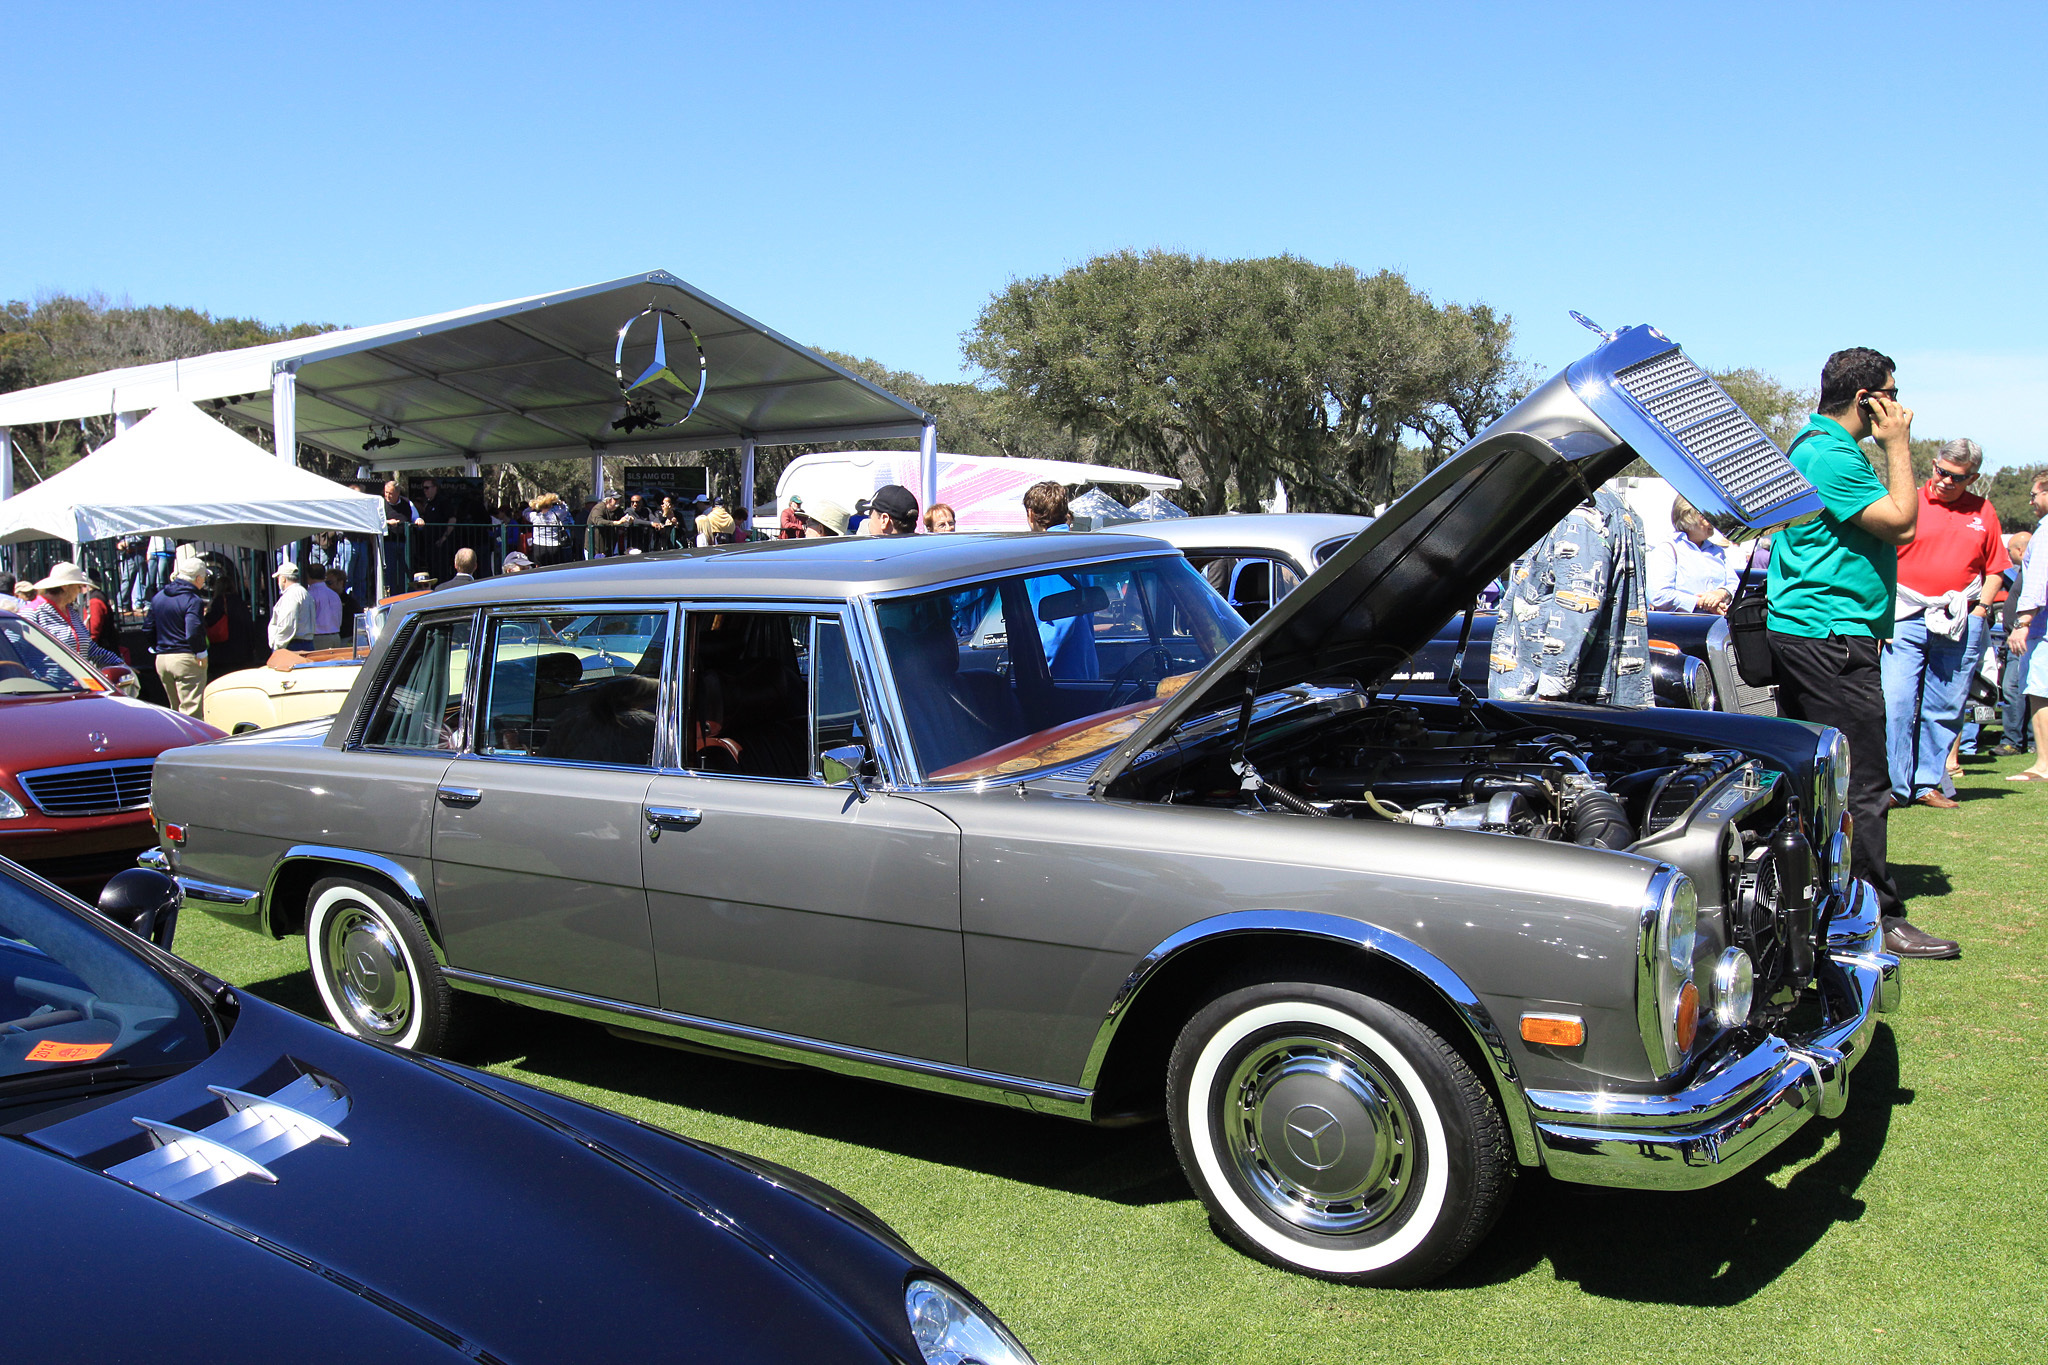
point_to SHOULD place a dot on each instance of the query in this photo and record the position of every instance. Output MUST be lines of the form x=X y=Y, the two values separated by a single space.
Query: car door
x=779 y=903
x=537 y=839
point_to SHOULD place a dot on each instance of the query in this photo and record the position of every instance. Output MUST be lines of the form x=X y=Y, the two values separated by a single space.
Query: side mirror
x=123 y=678
x=842 y=767
x=145 y=902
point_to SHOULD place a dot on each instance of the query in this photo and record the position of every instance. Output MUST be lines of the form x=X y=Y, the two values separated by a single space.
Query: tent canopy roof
x=179 y=472
x=527 y=379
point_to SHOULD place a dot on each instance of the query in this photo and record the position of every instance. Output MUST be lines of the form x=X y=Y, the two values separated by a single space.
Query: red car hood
x=55 y=732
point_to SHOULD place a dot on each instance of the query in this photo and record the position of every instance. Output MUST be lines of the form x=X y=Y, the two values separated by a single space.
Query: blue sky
x=1766 y=183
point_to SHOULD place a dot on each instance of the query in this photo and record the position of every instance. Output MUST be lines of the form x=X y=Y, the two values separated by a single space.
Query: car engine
x=1722 y=817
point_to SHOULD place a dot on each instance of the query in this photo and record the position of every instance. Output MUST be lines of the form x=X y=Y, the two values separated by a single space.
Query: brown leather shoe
x=1933 y=798
x=1904 y=940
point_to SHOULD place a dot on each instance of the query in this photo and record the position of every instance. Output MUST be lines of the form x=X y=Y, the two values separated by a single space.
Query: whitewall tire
x=1332 y=1134
x=374 y=967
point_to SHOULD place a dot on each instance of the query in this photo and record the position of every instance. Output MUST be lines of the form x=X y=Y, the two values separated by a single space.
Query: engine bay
x=1723 y=817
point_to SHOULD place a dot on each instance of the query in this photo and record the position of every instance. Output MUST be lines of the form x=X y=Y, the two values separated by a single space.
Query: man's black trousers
x=1835 y=682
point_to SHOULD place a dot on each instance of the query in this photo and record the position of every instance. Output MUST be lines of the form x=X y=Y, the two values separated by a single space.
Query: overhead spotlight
x=380 y=438
x=639 y=416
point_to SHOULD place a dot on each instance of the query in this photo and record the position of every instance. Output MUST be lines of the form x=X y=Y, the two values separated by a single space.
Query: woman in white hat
x=56 y=611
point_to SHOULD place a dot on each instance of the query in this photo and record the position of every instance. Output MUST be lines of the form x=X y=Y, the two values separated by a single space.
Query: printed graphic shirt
x=1573 y=624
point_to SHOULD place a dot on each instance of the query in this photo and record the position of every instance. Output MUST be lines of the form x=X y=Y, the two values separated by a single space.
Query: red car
x=75 y=760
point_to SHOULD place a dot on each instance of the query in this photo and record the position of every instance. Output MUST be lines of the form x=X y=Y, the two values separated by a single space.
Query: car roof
x=1294 y=533
x=843 y=566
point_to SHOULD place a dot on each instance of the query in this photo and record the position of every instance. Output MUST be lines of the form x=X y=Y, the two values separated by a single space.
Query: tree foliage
x=64 y=336
x=1229 y=373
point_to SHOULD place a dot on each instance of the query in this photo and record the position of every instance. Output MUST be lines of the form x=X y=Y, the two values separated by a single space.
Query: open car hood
x=1361 y=616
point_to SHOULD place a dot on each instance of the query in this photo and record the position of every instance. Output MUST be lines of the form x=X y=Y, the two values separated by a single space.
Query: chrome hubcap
x=367 y=970
x=1319 y=1134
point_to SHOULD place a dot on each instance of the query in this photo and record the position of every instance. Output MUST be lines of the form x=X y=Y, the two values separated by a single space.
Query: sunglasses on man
x=1943 y=474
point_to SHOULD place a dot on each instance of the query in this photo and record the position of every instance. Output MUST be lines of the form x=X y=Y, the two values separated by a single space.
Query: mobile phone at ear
x=1869 y=411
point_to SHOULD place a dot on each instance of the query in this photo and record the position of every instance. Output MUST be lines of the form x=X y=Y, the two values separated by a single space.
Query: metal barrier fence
x=422 y=557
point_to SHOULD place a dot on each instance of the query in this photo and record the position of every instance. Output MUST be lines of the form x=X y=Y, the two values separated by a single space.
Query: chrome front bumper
x=1741 y=1104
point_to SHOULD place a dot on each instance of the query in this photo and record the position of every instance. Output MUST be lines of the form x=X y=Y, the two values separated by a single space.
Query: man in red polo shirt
x=1948 y=576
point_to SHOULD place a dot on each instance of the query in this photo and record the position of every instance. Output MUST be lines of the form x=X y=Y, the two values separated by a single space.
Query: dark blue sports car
x=193 y=1174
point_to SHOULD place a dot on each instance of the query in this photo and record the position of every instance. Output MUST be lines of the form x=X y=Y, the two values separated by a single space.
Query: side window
x=422 y=705
x=584 y=687
x=747 y=694
x=837 y=718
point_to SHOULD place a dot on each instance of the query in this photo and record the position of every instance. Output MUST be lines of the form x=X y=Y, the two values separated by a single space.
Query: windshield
x=32 y=664
x=73 y=997
x=1035 y=670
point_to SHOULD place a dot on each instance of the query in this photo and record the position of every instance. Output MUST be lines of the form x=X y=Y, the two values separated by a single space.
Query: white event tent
x=534 y=378
x=178 y=472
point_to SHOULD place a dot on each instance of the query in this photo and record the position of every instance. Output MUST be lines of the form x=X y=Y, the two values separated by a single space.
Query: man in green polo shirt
x=1832 y=584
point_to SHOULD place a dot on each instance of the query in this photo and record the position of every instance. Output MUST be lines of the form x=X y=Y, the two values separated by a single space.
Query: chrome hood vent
x=258 y=1130
x=1362 y=616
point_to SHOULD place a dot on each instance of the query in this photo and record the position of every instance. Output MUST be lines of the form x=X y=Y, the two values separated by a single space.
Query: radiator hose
x=1600 y=821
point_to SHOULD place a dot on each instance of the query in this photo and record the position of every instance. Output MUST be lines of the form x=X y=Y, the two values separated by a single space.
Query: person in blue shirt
x=1688 y=571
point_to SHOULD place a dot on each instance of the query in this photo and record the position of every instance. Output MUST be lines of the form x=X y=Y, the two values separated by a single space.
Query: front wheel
x=1332 y=1134
x=375 y=968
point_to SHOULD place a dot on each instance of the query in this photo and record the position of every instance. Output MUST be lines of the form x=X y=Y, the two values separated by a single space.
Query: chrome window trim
x=945 y=1077
x=1453 y=990
x=1096 y=561
x=840 y=609
x=665 y=741
x=374 y=698
x=913 y=769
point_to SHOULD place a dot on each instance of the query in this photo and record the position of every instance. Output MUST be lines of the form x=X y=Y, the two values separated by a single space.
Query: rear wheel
x=1332 y=1134
x=374 y=967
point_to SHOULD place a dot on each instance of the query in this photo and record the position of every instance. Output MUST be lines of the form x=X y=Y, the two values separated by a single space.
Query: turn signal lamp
x=1686 y=1023
x=174 y=832
x=1554 y=1030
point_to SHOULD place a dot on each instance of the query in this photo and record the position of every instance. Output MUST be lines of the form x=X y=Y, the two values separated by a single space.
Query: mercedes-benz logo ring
x=659 y=370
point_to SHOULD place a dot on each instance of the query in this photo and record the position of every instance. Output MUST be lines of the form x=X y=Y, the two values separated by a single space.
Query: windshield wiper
x=90 y=1074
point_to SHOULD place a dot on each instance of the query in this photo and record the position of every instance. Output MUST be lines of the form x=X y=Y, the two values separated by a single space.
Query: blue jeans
x=1926 y=682
x=2013 y=716
x=133 y=569
x=160 y=566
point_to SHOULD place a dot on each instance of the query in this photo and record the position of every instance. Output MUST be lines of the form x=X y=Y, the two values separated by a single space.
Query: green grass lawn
x=1915 y=1228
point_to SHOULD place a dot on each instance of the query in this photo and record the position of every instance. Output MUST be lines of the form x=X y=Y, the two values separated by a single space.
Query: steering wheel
x=1124 y=675
x=17 y=666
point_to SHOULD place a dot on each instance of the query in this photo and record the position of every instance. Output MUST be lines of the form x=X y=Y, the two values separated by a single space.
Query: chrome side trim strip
x=1372 y=939
x=238 y=899
x=1020 y=1091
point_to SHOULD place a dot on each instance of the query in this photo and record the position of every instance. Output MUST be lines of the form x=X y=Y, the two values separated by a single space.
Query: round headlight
x=1838 y=863
x=1830 y=782
x=1681 y=924
x=952 y=1329
x=1734 y=987
x=1699 y=685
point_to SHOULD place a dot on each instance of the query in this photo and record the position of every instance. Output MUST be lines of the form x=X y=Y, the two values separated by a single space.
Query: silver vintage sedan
x=1041 y=820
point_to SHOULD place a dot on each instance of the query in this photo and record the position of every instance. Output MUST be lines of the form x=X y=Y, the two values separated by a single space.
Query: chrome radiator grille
x=1736 y=454
x=90 y=788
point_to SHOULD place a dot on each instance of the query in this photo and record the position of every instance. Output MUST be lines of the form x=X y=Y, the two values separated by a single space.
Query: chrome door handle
x=460 y=797
x=660 y=818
